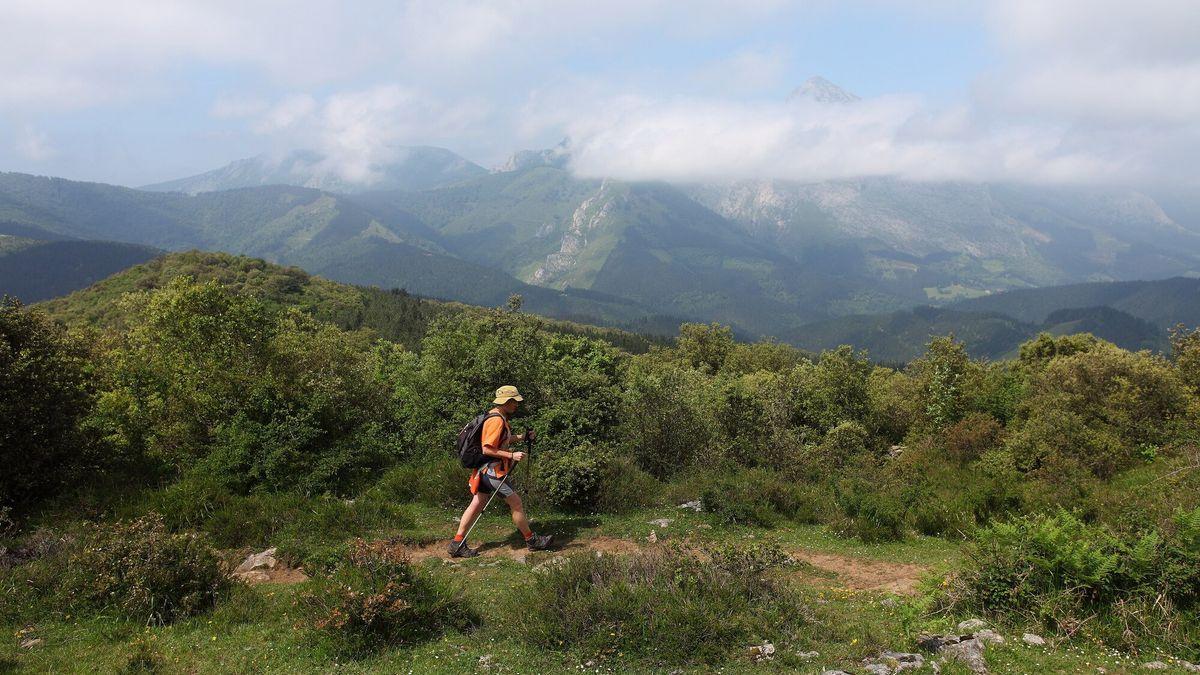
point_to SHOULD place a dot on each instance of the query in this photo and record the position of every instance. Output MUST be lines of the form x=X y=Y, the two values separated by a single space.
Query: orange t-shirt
x=495 y=432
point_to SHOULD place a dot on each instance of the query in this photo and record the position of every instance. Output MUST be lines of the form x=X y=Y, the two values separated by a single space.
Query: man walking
x=497 y=438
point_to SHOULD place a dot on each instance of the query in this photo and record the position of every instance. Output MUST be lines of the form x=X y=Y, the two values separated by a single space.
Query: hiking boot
x=539 y=542
x=459 y=549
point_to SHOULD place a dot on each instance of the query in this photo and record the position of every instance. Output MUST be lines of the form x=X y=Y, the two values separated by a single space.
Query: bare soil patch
x=862 y=574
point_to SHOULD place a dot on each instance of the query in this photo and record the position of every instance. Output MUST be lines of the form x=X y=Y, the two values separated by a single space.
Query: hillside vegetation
x=187 y=420
x=394 y=315
x=766 y=258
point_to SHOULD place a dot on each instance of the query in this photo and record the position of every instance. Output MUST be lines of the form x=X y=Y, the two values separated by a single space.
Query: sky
x=1063 y=91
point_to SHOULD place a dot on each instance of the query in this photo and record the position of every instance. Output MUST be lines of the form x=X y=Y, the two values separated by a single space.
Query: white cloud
x=703 y=140
x=357 y=132
x=1101 y=61
x=34 y=145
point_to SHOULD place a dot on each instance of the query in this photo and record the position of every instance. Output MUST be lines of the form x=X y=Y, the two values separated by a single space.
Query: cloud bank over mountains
x=1073 y=91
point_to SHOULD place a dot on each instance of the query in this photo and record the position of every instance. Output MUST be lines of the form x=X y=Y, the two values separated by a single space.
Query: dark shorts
x=489 y=484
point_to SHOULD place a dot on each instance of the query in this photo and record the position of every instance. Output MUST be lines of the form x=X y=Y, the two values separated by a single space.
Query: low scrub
x=1142 y=588
x=142 y=571
x=376 y=599
x=760 y=497
x=665 y=606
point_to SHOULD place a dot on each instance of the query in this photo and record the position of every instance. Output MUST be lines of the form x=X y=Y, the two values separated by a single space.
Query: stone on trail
x=1190 y=667
x=763 y=652
x=660 y=522
x=258 y=561
x=968 y=652
x=1031 y=639
x=989 y=636
x=971 y=625
x=653 y=538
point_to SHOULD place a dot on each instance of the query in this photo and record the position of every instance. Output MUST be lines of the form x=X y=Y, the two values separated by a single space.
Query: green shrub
x=1059 y=570
x=45 y=392
x=970 y=437
x=300 y=527
x=438 y=480
x=568 y=479
x=208 y=380
x=760 y=497
x=663 y=606
x=1099 y=408
x=376 y=599
x=666 y=412
x=871 y=503
x=624 y=486
x=833 y=390
x=142 y=571
x=846 y=443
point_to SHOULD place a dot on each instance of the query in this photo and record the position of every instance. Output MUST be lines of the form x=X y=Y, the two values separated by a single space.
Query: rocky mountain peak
x=558 y=157
x=821 y=90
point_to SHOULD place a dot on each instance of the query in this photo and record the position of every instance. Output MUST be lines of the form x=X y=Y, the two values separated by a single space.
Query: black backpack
x=470 y=442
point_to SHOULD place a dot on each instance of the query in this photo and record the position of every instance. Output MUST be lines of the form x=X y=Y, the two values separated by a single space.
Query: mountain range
x=804 y=262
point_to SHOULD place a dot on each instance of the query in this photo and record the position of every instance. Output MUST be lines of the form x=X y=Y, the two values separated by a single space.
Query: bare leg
x=471 y=513
x=518 y=515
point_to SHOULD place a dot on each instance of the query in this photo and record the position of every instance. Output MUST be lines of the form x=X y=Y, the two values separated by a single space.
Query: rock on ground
x=971 y=625
x=967 y=652
x=889 y=663
x=1155 y=665
x=1031 y=639
x=693 y=505
x=989 y=636
x=763 y=652
x=258 y=561
x=660 y=522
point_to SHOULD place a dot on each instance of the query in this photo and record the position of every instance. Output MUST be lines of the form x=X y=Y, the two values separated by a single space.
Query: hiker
x=496 y=439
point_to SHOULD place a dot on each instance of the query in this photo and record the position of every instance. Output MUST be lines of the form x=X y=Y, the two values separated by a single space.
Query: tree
x=44 y=396
x=704 y=346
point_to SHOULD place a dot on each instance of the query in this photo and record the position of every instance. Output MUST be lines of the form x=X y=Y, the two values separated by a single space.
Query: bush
x=1100 y=408
x=44 y=394
x=969 y=438
x=375 y=599
x=666 y=412
x=624 y=486
x=1059 y=570
x=845 y=444
x=303 y=528
x=665 y=605
x=568 y=479
x=140 y=570
x=253 y=397
x=436 y=481
x=871 y=503
x=759 y=497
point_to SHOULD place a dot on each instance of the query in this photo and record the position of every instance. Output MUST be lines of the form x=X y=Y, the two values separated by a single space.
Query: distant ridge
x=412 y=168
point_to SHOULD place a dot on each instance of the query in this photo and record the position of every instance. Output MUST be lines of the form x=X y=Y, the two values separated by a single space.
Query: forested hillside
x=394 y=315
x=899 y=337
x=35 y=270
x=716 y=504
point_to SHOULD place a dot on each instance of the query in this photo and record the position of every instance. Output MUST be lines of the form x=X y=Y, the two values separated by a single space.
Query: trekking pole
x=529 y=452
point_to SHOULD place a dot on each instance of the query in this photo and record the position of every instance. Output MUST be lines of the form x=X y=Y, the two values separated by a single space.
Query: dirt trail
x=861 y=574
x=824 y=569
x=519 y=552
